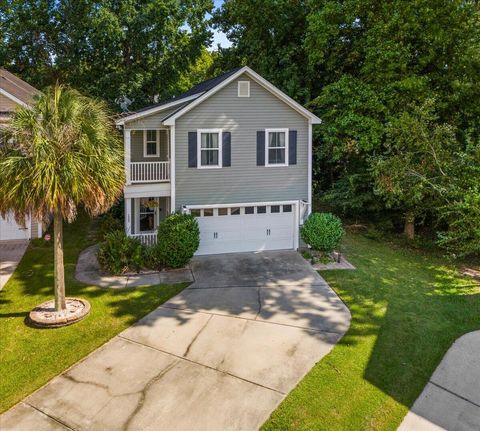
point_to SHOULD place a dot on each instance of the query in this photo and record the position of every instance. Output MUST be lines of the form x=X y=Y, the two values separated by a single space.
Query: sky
x=218 y=36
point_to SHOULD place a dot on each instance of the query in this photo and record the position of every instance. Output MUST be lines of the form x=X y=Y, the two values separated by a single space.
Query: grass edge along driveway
x=407 y=307
x=29 y=357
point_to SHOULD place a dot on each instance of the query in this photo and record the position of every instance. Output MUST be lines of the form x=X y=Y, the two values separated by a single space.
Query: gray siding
x=152 y=121
x=244 y=181
x=136 y=151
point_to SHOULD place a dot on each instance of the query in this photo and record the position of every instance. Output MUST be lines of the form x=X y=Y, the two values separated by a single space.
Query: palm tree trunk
x=409 y=229
x=59 y=275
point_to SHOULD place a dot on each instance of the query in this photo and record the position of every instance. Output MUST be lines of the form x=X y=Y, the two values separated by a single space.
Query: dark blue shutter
x=261 y=148
x=226 y=149
x=292 y=147
x=192 y=149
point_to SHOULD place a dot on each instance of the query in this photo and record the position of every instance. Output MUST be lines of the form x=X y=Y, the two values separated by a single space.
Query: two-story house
x=234 y=151
x=15 y=92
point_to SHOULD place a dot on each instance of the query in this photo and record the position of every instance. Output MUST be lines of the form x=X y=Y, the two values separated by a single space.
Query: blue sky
x=218 y=36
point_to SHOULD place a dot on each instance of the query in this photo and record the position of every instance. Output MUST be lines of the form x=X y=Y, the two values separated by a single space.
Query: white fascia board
x=257 y=78
x=155 y=109
x=12 y=98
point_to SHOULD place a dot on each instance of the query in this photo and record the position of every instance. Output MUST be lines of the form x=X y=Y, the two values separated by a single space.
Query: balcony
x=149 y=172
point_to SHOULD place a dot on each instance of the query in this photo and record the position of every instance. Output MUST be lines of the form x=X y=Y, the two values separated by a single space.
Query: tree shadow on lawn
x=415 y=307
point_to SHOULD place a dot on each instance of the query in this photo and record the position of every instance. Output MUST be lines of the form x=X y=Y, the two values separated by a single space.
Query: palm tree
x=64 y=152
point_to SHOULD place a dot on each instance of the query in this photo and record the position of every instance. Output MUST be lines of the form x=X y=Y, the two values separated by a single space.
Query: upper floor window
x=209 y=151
x=151 y=143
x=276 y=144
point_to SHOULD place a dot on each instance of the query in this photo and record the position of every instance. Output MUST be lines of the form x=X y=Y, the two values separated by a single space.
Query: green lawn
x=30 y=357
x=407 y=309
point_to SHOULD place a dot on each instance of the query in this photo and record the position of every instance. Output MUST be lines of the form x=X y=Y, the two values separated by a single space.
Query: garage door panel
x=246 y=232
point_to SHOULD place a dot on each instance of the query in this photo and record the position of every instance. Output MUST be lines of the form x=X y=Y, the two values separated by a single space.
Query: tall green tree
x=138 y=49
x=64 y=153
x=268 y=36
x=366 y=68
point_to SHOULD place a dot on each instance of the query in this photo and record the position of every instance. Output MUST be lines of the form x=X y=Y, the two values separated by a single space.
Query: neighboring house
x=14 y=93
x=234 y=151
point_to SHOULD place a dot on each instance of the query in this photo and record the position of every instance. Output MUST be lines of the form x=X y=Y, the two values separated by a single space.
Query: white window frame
x=248 y=88
x=267 y=140
x=199 y=148
x=157 y=141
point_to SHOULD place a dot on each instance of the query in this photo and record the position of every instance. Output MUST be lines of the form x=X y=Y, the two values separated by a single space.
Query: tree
x=268 y=36
x=137 y=49
x=64 y=153
x=367 y=68
x=412 y=173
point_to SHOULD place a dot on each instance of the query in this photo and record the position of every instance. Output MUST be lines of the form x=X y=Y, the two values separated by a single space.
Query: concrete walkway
x=451 y=399
x=11 y=252
x=221 y=355
x=88 y=271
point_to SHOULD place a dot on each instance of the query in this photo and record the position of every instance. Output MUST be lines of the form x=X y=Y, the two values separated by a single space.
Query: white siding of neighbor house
x=243 y=181
x=7 y=104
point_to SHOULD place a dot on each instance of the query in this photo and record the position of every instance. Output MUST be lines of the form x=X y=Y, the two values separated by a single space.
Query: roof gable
x=259 y=80
x=200 y=92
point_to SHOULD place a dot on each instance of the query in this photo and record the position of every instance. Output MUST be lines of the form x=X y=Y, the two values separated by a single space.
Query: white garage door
x=10 y=229
x=245 y=228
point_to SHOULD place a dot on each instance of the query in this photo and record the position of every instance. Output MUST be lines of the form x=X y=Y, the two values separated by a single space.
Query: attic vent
x=243 y=88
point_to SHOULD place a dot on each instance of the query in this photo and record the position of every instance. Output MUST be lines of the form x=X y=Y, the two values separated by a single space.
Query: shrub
x=119 y=253
x=322 y=231
x=178 y=240
x=109 y=223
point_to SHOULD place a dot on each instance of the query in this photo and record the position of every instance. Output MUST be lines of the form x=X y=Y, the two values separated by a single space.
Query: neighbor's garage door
x=10 y=229
x=245 y=228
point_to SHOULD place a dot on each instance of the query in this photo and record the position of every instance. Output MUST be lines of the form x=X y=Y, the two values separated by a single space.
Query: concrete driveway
x=451 y=399
x=219 y=356
x=11 y=253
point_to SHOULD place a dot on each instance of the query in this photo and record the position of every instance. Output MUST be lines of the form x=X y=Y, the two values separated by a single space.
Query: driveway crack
x=259 y=298
x=187 y=351
x=144 y=391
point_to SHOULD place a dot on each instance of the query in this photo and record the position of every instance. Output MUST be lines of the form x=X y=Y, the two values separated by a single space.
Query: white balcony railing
x=149 y=239
x=149 y=172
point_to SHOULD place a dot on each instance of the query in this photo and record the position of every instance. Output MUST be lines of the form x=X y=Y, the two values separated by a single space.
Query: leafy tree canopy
x=138 y=49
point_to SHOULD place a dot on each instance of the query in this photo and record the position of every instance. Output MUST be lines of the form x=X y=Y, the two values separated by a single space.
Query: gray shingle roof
x=199 y=89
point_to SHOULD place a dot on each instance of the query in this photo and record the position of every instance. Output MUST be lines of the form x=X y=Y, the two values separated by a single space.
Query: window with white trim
x=243 y=88
x=209 y=152
x=276 y=144
x=151 y=143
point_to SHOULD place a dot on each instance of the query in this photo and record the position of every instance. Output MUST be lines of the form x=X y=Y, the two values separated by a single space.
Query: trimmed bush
x=322 y=231
x=178 y=240
x=119 y=253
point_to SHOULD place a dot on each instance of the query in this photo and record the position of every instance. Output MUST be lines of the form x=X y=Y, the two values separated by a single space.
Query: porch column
x=126 y=144
x=128 y=216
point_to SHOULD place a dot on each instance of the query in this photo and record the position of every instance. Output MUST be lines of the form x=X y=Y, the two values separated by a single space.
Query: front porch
x=143 y=215
x=147 y=155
